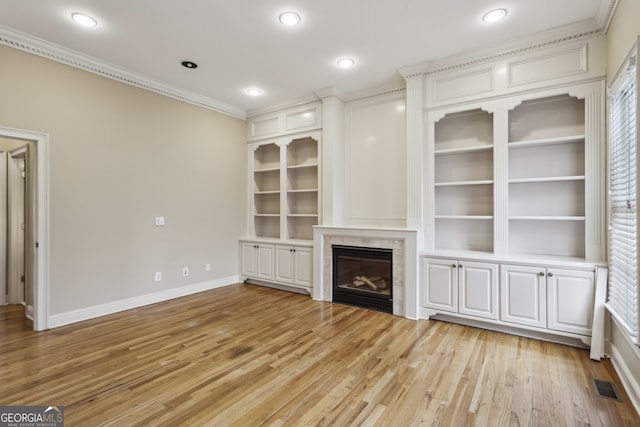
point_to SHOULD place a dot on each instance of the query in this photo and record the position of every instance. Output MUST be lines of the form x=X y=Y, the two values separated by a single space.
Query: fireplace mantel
x=403 y=242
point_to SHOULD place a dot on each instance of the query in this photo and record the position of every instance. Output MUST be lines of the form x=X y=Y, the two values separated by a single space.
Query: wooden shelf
x=267 y=215
x=259 y=193
x=309 y=190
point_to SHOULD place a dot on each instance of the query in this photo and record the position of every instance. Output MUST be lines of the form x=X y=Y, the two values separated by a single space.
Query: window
x=622 y=298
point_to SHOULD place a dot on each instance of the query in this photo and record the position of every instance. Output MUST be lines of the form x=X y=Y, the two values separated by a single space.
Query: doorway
x=25 y=226
x=13 y=206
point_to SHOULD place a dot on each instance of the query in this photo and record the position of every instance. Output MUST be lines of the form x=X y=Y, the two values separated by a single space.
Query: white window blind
x=623 y=296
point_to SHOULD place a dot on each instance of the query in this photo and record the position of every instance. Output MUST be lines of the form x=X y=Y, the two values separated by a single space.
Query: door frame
x=40 y=244
x=16 y=253
x=3 y=227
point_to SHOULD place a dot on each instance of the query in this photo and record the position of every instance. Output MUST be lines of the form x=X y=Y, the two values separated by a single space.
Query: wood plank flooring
x=246 y=355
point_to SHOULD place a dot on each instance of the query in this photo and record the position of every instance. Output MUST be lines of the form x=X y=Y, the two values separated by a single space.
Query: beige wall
x=119 y=156
x=622 y=34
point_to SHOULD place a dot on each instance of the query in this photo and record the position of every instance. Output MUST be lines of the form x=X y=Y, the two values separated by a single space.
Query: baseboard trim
x=80 y=315
x=631 y=386
x=279 y=286
x=521 y=331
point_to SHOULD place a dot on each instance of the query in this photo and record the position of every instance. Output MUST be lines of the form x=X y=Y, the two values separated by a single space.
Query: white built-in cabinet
x=257 y=260
x=546 y=173
x=516 y=180
x=513 y=176
x=552 y=298
x=465 y=287
x=514 y=194
x=284 y=193
x=463 y=181
x=294 y=265
x=285 y=187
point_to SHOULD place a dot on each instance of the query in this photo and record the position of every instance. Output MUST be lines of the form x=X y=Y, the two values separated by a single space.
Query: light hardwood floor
x=246 y=355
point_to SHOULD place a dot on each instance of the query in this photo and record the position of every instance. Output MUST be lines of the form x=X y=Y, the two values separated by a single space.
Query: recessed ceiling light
x=84 y=20
x=189 y=64
x=346 y=62
x=289 y=18
x=494 y=15
x=253 y=91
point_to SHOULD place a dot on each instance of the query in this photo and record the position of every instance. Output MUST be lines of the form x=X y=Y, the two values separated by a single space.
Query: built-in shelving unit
x=266 y=194
x=302 y=188
x=286 y=188
x=547 y=177
x=284 y=196
x=463 y=181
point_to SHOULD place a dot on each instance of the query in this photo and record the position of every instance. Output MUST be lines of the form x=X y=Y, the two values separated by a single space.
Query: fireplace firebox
x=363 y=277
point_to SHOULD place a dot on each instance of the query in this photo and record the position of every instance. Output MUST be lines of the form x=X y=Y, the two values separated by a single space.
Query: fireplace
x=363 y=277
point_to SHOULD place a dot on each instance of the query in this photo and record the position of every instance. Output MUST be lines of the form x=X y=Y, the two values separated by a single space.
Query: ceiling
x=239 y=44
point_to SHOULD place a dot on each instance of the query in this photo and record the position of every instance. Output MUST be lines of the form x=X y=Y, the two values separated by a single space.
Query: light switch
x=159 y=221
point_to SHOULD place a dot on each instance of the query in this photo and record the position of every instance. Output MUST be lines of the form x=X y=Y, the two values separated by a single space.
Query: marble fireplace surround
x=402 y=242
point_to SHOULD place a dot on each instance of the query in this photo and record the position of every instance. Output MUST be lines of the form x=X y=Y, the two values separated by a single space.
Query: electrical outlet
x=159 y=221
x=185 y=271
x=207 y=267
x=158 y=276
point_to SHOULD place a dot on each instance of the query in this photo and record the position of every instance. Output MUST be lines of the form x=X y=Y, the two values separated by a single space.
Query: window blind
x=623 y=297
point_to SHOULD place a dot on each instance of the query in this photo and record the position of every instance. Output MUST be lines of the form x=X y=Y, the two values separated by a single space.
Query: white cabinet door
x=478 y=293
x=265 y=262
x=524 y=298
x=303 y=266
x=284 y=264
x=294 y=265
x=440 y=284
x=249 y=259
x=570 y=296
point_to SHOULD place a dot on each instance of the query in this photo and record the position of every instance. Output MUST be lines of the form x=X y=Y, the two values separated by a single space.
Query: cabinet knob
x=459 y=265
x=453 y=265
x=550 y=274
x=541 y=273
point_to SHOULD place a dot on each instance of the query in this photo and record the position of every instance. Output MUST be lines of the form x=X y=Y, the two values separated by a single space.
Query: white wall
x=119 y=156
x=375 y=162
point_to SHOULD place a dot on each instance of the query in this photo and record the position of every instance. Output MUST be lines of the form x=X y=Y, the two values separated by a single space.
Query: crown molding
x=388 y=89
x=12 y=38
x=331 y=91
x=283 y=105
x=545 y=39
x=328 y=92
x=605 y=14
x=414 y=71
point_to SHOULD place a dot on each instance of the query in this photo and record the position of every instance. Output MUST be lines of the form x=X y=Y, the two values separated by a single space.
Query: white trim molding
x=625 y=361
x=40 y=310
x=578 y=31
x=605 y=14
x=82 y=314
x=12 y=38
